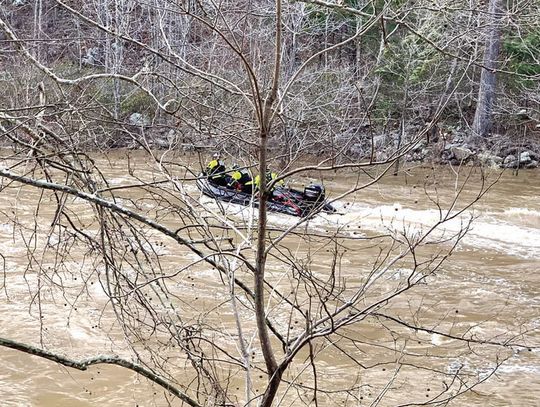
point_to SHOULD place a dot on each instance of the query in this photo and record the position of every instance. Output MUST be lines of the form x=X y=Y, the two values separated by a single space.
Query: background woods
x=177 y=71
x=117 y=260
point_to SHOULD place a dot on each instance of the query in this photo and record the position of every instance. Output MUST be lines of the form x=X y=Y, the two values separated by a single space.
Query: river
x=488 y=290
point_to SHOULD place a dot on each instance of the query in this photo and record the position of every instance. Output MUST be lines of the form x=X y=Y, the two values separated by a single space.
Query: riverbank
x=498 y=151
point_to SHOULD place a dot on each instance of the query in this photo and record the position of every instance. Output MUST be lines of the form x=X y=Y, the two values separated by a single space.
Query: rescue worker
x=216 y=170
x=253 y=185
x=270 y=176
x=240 y=180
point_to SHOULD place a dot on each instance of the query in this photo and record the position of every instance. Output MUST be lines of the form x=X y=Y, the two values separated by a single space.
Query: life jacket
x=269 y=177
x=272 y=176
x=238 y=179
x=215 y=167
x=236 y=175
x=256 y=181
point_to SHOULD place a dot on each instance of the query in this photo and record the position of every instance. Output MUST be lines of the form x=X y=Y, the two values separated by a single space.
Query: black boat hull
x=283 y=200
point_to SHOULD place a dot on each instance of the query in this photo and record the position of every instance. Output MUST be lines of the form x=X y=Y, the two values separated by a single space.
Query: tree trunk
x=266 y=117
x=486 y=93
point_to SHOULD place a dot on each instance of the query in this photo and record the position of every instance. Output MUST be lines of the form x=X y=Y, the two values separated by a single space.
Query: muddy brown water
x=490 y=287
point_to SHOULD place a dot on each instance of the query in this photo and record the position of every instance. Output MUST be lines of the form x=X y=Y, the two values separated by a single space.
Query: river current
x=490 y=286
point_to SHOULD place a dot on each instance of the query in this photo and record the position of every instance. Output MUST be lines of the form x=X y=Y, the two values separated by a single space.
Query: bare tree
x=486 y=93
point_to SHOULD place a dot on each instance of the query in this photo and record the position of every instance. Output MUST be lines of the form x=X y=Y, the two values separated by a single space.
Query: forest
x=353 y=76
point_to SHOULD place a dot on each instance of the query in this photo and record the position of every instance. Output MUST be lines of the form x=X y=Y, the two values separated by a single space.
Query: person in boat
x=270 y=176
x=215 y=170
x=240 y=180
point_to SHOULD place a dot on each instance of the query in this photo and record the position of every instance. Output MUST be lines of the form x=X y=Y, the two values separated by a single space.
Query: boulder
x=161 y=143
x=525 y=161
x=446 y=155
x=450 y=146
x=525 y=157
x=459 y=137
x=531 y=164
x=420 y=145
x=461 y=153
x=509 y=159
x=426 y=151
x=489 y=160
x=511 y=164
x=416 y=157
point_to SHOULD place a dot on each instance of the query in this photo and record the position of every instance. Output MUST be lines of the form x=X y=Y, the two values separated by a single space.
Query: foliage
x=524 y=56
x=137 y=101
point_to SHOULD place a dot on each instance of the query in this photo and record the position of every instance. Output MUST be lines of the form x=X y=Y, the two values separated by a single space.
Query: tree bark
x=486 y=94
x=260 y=311
x=84 y=364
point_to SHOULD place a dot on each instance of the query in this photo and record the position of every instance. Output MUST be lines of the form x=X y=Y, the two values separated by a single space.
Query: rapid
x=490 y=282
